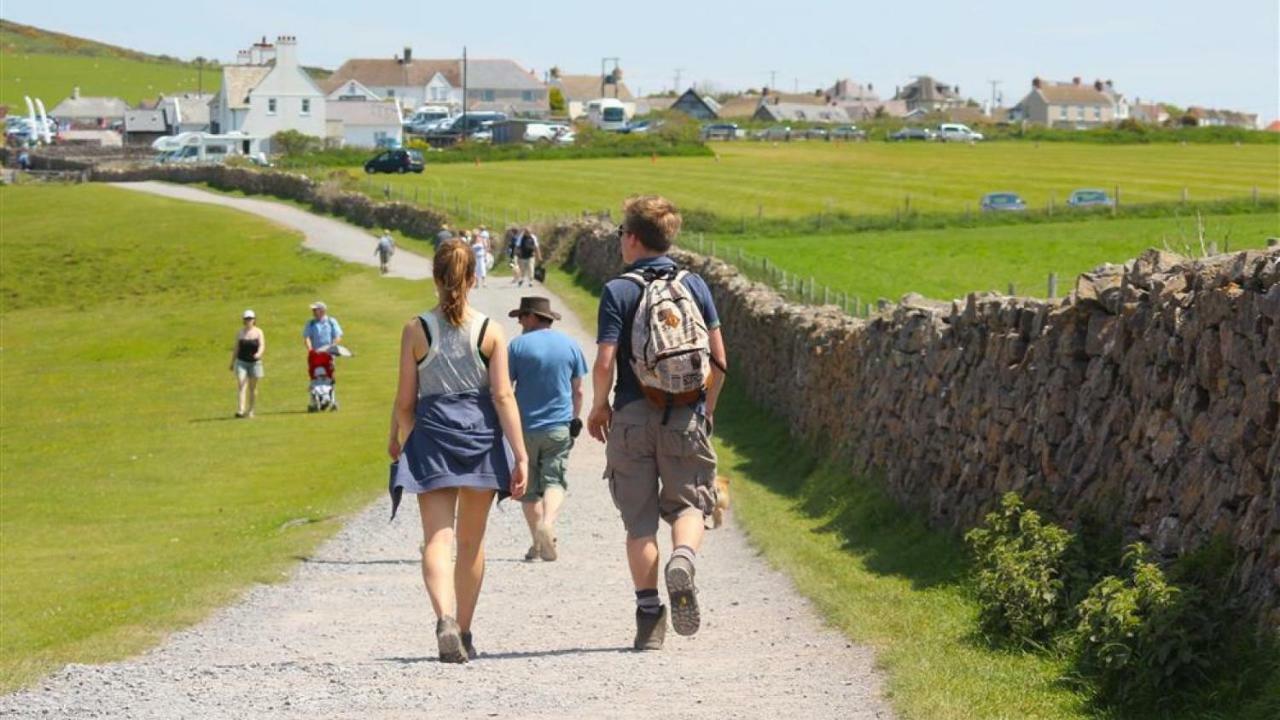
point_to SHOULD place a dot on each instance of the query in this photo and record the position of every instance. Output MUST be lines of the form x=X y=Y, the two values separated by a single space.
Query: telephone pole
x=676 y=87
x=773 y=80
x=995 y=84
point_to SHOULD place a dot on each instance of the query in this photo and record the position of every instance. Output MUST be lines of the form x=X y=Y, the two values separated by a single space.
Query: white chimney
x=243 y=57
x=286 y=51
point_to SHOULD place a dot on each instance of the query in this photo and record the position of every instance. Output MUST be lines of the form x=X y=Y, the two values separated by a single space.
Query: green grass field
x=797 y=179
x=946 y=264
x=51 y=78
x=131 y=502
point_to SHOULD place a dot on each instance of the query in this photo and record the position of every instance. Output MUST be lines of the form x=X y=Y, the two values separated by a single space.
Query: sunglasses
x=621 y=232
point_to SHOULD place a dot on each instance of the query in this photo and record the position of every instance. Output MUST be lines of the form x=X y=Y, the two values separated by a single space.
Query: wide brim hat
x=534 y=305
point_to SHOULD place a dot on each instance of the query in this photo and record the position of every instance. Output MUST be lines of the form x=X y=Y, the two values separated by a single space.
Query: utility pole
x=773 y=80
x=995 y=84
x=464 y=92
x=676 y=87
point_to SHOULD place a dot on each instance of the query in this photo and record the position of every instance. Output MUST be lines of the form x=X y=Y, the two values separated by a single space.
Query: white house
x=360 y=123
x=411 y=81
x=268 y=91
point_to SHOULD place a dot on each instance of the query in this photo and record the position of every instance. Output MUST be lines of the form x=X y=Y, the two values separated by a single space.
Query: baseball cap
x=249 y=314
x=318 y=305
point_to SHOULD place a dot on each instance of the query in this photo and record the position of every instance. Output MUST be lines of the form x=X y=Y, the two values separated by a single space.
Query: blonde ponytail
x=454 y=268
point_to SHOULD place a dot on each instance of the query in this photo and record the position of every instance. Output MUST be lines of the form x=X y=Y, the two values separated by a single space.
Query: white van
x=956 y=132
x=608 y=114
x=426 y=118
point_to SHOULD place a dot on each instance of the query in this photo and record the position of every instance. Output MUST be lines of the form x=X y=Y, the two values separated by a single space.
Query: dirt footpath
x=351 y=633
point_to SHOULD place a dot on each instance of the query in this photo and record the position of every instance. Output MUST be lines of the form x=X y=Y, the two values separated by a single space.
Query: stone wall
x=331 y=198
x=1147 y=400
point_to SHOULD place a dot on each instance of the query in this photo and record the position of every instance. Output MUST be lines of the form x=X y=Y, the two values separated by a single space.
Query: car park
x=956 y=132
x=1089 y=198
x=1002 y=202
x=720 y=131
x=461 y=126
x=395 y=161
x=848 y=132
x=777 y=132
x=816 y=133
x=911 y=133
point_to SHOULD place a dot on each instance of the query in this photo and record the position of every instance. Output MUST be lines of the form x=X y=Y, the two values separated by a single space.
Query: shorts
x=248 y=369
x=656 y=470
x=526 y=268
x=548 y=451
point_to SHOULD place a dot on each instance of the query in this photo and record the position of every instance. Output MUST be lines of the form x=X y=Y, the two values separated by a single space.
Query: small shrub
x=292 y=143
x=1141 y=639
x=1022 y=566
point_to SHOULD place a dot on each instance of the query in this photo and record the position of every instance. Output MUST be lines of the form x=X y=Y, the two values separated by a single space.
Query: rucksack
x=670 y=345
x=528 y=246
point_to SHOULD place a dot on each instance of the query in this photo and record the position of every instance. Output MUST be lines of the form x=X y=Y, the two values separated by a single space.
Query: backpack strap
x=480 y=342
x=426 y=331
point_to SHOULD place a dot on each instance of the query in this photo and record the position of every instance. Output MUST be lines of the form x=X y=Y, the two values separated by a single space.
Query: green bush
x=1141 y=639
x=1022 y=565
x=292 y=143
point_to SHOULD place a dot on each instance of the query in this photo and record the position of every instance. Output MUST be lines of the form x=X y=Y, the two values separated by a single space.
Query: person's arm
x=504 y=401
x=306 y=336
x=411 y=339
x=235 y=348
x=537 y=249
x=719 y=366
x=262 y=344
x=601 y=417
x=577 y=397
x=337 y=332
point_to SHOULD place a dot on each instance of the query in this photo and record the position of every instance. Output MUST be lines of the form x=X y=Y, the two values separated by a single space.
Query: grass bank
x=131 y=502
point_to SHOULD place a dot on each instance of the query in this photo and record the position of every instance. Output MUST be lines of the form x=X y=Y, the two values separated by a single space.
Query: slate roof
x=377 y=72
x=500 y=75
x=90 y=108
x=145 y=121
x=802 y=112
x=1072 y=94
x=239 y=80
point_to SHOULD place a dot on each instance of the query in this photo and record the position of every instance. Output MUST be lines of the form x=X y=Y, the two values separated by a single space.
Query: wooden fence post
x=1053 y=285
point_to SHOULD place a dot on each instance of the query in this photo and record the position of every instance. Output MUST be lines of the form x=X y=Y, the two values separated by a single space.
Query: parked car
x=426 y=118
x=777 y=132
x=395 y=161
x=720 y=131
x=955 y=132
x=1089 y=198
x=461 y=126
x=1002 y=202
x=911 y=133
x=557 y=133
x=816 y=133
x=639 y=126
x=848 y=132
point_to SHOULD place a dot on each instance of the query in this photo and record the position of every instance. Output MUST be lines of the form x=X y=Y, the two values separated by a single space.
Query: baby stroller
x=323 y=394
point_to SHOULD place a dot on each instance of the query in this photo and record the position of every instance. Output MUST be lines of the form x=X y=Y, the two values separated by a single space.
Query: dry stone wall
x=1147 y=400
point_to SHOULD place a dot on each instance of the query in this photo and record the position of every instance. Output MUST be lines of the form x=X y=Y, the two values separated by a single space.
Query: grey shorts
x=548 y=453
x=249 y=369
x=656 y=470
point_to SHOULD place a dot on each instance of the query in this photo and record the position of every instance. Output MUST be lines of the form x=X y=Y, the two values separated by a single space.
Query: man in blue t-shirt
x=322 y=331
x=547 y=368
x=660 y=463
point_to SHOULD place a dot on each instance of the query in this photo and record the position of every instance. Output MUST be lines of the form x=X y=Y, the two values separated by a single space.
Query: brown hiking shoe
x=449 y=639
x=683 y=595
x=651 y=630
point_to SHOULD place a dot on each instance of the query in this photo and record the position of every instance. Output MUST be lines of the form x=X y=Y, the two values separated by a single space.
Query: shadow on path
x=518 y=655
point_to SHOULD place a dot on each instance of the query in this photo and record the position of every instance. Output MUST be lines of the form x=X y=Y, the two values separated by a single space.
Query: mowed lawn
x=131 y=502
x=951 y=263
x=807 y=178
x=51 y=78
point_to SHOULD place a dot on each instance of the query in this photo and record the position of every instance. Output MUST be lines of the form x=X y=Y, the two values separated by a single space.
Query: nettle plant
x=1141 y=638
x=1022 y=567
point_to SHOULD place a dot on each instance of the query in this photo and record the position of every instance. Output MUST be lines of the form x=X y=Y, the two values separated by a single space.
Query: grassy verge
x=131 y=503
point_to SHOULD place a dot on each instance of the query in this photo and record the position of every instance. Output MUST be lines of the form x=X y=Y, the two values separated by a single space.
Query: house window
x=1097 y=112
x=488 y=95
x=306 y=106
x=271 y=106
x=527 y=96
x=1080 y=112
x=391 y=92
x=1062 y=111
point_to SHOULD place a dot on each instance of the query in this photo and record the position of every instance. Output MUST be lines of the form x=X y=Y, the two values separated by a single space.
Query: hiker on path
x=453 y=408
x=659 y=459
x=547 y=368
x=385 y=249
x=513 y=237
x=444 y=234
x=528 y=255
x=322 y=332
x=246 y=362
x=480 y=247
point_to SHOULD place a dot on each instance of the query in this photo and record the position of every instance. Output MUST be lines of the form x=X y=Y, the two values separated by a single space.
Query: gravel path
x=350 y=634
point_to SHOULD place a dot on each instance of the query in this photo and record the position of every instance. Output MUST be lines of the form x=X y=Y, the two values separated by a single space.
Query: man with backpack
x=528 y=255
x=659 y=337
x=385 y=249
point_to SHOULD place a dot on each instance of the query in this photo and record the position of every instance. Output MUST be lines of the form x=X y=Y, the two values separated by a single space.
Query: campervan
x=607 y=114
x=199 y=147
x=426 y=118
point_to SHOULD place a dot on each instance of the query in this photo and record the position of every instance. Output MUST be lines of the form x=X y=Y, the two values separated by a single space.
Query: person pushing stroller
x=322 y=335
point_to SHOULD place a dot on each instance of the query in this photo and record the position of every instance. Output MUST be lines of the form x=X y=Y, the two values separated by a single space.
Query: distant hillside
x=47 y=64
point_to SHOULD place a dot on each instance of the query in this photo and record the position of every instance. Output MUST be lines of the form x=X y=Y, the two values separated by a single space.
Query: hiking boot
x=449 y=639
x=469 y=646
x=683 y=596
x=546 y=544
x=651 y=629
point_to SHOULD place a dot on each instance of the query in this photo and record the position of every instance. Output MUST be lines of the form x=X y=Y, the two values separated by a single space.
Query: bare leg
x=642 y=557
x=532 y=517
x=437 y=510
x=552 y=500
x=473 y=516
x=253 y=393
x=243 y=382
x=688 y=530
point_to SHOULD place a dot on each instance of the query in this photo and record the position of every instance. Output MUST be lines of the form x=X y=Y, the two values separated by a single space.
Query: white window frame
x=1062 y=112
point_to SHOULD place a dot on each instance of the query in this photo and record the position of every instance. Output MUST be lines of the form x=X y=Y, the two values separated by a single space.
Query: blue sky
x=1221 y=54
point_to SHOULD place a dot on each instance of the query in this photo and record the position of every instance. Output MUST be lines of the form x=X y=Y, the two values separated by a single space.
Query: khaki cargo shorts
x=657 y=470
x=548 y=452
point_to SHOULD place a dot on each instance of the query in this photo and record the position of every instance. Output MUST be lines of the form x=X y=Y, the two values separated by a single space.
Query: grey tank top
x=453 y=364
